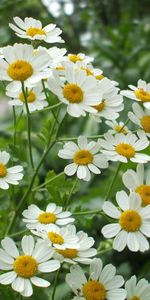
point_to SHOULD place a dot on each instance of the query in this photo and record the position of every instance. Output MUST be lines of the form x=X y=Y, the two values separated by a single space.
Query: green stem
x=21 y=232
x=113 y=181
x=104 y=251
x=47 y=98
x=47 y=108
x=55 y=283
x=70 y=194
x=126 y=122
x=75 y=138
x=46 y=182
x=15 y=123
x=88 y=212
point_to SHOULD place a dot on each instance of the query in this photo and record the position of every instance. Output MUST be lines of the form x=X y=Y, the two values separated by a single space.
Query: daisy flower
x=124 y=147
x=8 y=175
x=110 y=104
x=32 y=29
x=134 y=181
x=22 y=64
x=102 y=284
x=85 y=158
x=133 y=223
x=140 y=117
x=22 y=269
x=35 y=98
x=137 y=290
x=78 y=91
x=117 y=127
x=141 y=93
x=56 y=55
x=74 y=58
x=90 y=70
x=82 y=254
x=42 y=220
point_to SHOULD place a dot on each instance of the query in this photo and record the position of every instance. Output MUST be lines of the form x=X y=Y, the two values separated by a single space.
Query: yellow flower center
x=120 y=129
x=32 y=31
x=135 y=298
x=31 y=97
x=74 y=58
x=144 y=191
x=130 y=220
x=60 y=68
x=3 y=171
x=142 y=95
x=83 y=157
x=68 y=253
x=20 y=70
x=100 y=107
x=99 y=77
x=73 y=93
x=94 y=290
x=145 y=122
x=125 y=150
x=25 y=266
x=47 y=218
x=88 y=71
x=55 y=238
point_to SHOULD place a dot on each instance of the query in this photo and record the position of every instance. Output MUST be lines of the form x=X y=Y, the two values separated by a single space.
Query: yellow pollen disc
x=60 y=68
x=20 y=70
x=25 y=266
x=68 y=253
x=73 y=93
x=145 y=122
x=55 y=238
x=88 y=71
x=47 y=218
x=142 y=95
x=74 y=58
x=31 y=97
x=100 y=107
x=94 y=290
x=3 y=171
x=130 y=220
x=135 y=298
x=34 y=31
x=83 y=157
x=120 y=129
x=125 y=150
x=99 y=77
x=144 y=191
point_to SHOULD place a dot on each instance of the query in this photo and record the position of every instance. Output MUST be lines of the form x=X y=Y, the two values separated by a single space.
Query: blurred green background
x=117 y=34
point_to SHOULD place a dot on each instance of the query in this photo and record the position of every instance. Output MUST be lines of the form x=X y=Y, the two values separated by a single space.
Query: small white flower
x=32 y=29
x=134 y=181
x=56 y=55
x=141 y=93
x=74 y=58
x=137 y=290
x=23 y=268
x=133 y=223
x=140 y=117
x=124 y=147
x=117 y=127
x=8 y=175
x=35 y=98
x=85 y=158
x=42 y=220
x=82 y=254
x=103 y=283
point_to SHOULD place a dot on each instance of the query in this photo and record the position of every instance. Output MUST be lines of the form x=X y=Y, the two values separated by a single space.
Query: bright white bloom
x=124 y=147
x=85 y=158
x=1 y=52
x=133 y=223
x=35 y=98
x=134 y=181
x=22 y=64
x=140 y=117
x=10 y=175
x=102 y=284
x=23 y=268
x=137 y=290
x=81 y=255
x=74 y=58
x=79 y=91
x=32 y=29
x=42 y=220
x=110 y=104
x=90 y=70
x=56 y=55
x=141 y=93
x=117 y=127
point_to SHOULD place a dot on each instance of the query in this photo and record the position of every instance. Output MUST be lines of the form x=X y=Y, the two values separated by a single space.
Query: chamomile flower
x=85 y=158
x=74 y=58
x=133 y=225
x=134 y=181
x=22 y=269
x=78 y=91
x=32 y=29
x=90 y=70
x=117 y=127
x=140 y=117
x=110 y=104
x=82 y=254
x=10 y=175
x=137 y=290
x=56 y=56
x=42 y=220
x=123 y=147
x=22 y=64
x=141 y=93
x=102 y=284
x=35 y=98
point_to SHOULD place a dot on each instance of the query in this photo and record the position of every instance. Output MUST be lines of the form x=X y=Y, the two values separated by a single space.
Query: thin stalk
x=104 y=251
x=88 y=212
x=46 y=182
x=75 y=138
x=55 y=283
x=126 y=122
x=70 y=194
x=47 y=108
x=47 y=98
x=15 y=123
x=112 y=182
x=21 y=232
